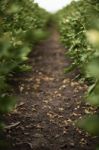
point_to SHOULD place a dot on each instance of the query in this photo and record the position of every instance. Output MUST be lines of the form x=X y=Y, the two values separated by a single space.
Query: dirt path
x=49 y=103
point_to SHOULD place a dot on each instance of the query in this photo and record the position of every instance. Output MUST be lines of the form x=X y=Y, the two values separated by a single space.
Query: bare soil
x=49 y=103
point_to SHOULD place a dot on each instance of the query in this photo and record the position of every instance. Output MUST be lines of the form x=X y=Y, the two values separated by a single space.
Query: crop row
x=22 y=25
x=79 y=31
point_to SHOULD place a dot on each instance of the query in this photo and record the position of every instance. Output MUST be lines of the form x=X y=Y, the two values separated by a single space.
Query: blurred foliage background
x=22 y=25
x=78 y=24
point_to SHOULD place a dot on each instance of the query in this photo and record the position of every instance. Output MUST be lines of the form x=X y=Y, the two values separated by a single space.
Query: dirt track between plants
x=49 y=102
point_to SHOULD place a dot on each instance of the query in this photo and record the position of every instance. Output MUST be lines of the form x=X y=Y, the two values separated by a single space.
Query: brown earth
x=49 y=102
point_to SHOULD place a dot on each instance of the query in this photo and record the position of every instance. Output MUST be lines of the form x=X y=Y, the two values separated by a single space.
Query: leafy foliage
x=79 y=30
x=90 y=124
x=22 y=25
x=72 y=29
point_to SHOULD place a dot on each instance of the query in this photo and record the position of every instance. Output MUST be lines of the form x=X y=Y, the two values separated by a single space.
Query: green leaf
x=90 y=124
x=7 y=103
x=91 y=88
x=93 y=68
x=93 y=99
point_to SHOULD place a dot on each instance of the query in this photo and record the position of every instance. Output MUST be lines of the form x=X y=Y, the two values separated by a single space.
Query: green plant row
x=74 y=23
x=79 y=31
x=22 y=25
